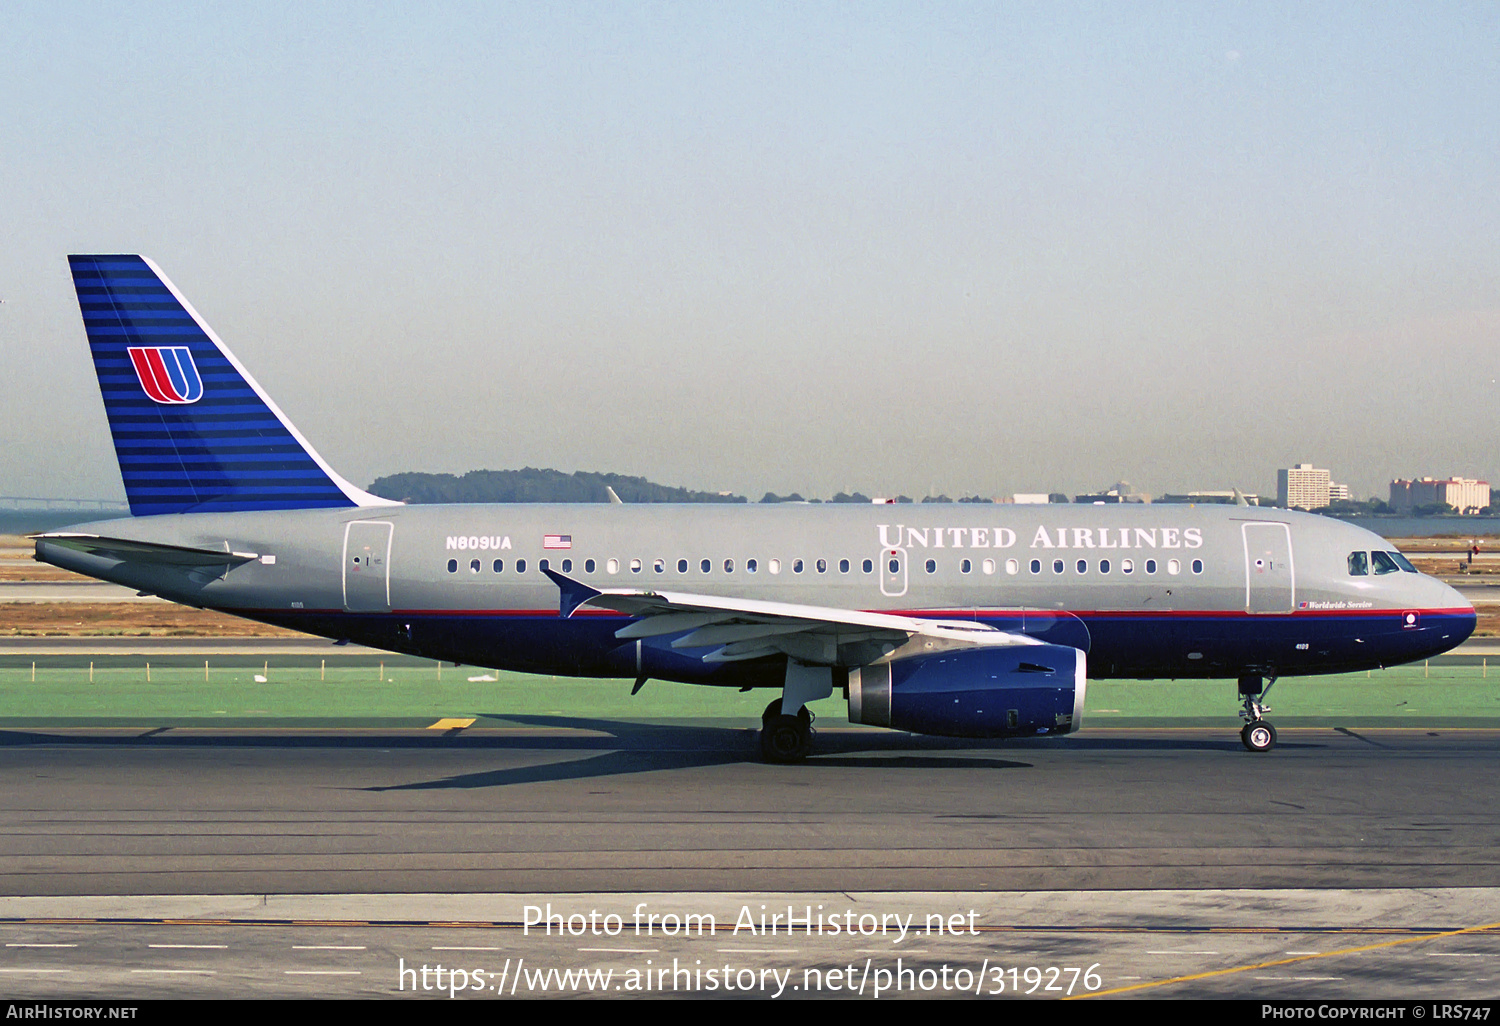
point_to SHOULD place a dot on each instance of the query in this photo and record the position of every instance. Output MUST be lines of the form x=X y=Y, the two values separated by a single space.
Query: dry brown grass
x=127 y=619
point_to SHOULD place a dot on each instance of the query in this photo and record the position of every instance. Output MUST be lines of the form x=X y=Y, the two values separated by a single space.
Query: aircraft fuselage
x=1148 y=591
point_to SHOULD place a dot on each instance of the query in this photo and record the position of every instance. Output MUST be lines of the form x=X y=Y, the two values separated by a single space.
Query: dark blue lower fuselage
x=1178 y=645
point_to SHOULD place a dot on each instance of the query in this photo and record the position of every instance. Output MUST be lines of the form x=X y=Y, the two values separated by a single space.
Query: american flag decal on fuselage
x=167 y=373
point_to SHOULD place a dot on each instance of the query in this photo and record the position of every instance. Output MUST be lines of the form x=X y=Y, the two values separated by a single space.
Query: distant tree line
x=533 y=485
x=542 y=485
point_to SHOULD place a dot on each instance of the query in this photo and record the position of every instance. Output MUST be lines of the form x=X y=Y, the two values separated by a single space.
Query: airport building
x=1221 y=498
x=1303 y=487
x=1121 y=492
x=1464 y=494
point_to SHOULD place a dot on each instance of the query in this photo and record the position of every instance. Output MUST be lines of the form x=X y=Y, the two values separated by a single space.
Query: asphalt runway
x=1282 y=945
x=576 y=805
x=1356 y=863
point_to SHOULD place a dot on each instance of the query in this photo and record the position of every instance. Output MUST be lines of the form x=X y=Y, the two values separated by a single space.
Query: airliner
x=963 y=620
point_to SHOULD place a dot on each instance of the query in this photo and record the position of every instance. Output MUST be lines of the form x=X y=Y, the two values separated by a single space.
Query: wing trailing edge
x=741 y=629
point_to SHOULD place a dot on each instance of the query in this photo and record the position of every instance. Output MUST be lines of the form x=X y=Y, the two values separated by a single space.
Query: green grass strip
x=59 y=691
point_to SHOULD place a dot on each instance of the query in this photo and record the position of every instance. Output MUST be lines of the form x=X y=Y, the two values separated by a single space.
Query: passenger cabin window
x=1057 y=566
x=705 y=566
x=751 y=566
x=660 y=566
x=1359 y=564
x=1150 y=566
x=1104 y=566
x=729 y=566
x=796 y=566
x=682 y=565
x=1384 y=564
x=567 y=566
x=932 y=566
x=964 y=566
x=499 y=566
x=520 y=566
x=1173 y=566
x=1011 y=566
x=453 y=566
x=1083 y=566
x=868 y=566
x=613 y=566
x=822 y=566
x=543 y=565
x=843 y=566
x=588 y=566
x=1036 y=566
x=1127 y=566
x=1197 y=566
x=473 y=566
x=774 y=566
x=635 y=566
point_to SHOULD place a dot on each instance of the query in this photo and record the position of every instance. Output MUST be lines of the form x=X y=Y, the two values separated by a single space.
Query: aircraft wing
x=753 y=629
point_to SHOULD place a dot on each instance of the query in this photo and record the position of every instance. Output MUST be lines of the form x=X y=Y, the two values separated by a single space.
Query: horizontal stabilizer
x=131 y=551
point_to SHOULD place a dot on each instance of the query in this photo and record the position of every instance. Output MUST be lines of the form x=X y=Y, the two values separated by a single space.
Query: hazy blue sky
x=971 y=247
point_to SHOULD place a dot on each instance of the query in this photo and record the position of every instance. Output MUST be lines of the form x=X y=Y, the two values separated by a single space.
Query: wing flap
x=739 y=628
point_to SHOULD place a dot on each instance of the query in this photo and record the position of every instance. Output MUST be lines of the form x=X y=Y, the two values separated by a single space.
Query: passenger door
x=1270 y=578
x=367 y=565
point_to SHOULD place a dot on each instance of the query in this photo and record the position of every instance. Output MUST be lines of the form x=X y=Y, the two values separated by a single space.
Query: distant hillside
x=532 y=485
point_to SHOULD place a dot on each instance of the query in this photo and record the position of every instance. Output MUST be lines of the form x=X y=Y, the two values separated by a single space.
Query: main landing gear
x=1257 y=735
x=785 y=739
x=786 y=736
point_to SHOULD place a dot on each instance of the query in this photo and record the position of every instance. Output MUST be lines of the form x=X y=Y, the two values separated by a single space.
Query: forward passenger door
x=1270 y=578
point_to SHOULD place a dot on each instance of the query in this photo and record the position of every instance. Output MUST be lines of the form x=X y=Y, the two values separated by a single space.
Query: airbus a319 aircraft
x=965 y=620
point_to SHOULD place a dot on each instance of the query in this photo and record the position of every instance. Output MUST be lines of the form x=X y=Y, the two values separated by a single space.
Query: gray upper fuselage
x=947 y=557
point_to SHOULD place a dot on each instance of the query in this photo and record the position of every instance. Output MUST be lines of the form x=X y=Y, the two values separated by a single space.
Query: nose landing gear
x=1257 y=735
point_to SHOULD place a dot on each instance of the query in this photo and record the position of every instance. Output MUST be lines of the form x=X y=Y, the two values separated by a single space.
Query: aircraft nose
x=1459 y=610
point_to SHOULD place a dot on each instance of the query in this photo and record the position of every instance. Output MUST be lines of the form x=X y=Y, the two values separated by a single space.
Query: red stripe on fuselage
x=946 y=614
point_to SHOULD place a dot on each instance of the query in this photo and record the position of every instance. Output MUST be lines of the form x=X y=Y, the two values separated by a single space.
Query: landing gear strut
x=1257 y=735
x=783 y=738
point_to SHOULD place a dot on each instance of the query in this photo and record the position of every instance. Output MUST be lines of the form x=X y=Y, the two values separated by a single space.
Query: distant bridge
x=37 y=502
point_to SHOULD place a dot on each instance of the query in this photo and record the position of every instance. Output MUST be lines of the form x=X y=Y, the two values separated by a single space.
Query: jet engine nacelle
x=983 y=692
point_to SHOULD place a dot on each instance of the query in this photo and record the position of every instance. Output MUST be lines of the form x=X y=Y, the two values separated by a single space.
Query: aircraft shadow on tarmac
x=696 y=744
x=649 y=748
x=629 y=747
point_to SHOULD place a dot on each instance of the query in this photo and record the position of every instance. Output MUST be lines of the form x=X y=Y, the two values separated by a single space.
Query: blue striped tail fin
x=193 y=431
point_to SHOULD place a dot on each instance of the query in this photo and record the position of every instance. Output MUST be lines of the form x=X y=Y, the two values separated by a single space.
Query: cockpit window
x=1359 y=564
x=1404 y=563
x=1384 y=564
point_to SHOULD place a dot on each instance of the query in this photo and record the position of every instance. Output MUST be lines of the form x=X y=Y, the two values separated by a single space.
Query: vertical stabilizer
x=193 y=431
